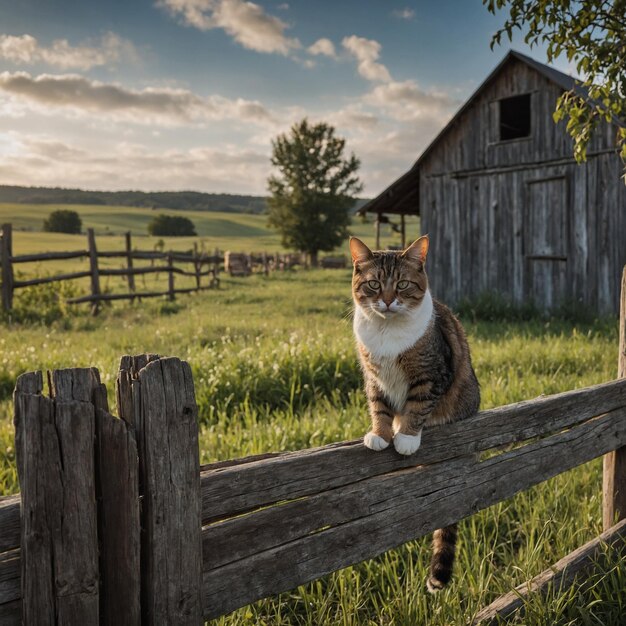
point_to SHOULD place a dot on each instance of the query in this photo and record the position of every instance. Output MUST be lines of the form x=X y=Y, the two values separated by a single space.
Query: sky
x=188 y=94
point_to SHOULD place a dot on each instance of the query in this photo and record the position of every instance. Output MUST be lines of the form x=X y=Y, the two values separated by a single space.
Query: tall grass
x=275 y=369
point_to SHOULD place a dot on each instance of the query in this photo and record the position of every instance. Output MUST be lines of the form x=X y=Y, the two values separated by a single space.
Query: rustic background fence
x=205 y=270
x=134 y=531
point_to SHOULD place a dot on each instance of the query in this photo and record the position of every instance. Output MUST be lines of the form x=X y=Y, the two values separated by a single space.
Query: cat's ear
x=418 y=250
x=359 y=251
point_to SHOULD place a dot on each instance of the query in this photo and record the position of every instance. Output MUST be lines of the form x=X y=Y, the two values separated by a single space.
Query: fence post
x=93 y=268
x=614 y=463
x=129 y=263
x=216 y=265
x=59 y=545
x=170 y=278
x=157 y=395
x=197 y=264
x=266 y=264
x=7 y=266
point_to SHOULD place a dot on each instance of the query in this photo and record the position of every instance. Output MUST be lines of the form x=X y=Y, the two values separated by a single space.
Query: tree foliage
x=63 y=221
x=592 y=35
x=171 y=226
x=313 y=193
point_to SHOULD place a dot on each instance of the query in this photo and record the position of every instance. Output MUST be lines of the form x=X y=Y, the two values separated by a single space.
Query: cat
x=415 y=359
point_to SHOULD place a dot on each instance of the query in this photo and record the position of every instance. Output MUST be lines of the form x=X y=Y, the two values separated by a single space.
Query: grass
x=226 y=231
x=275 y=369
x=223 y=231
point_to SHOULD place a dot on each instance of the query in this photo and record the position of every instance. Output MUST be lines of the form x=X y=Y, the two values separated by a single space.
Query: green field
x=222 y=231
x=275 y=369
x=226 y=231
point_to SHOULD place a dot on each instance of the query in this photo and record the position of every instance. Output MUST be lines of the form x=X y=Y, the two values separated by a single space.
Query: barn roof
x=402 y=195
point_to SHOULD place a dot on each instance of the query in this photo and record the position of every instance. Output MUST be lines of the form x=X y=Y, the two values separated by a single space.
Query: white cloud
x=147 y=106
x=246 y=22
x=404 y=14
x=405 y=101
x=366 y=52
x=324 y=47
x=26 y=50
x=45 y=161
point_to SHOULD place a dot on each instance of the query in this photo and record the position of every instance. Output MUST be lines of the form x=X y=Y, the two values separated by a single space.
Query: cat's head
x=389 y=283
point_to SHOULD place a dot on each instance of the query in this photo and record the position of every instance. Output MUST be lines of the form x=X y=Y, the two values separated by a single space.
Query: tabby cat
x=415 y=360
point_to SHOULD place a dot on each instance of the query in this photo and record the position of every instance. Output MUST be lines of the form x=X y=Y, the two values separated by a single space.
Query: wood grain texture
x=59 y=544
x=386 y=511
x=560 y=576
x=614 y=463
x=118 y=521
x=259 y=481
x=171 y=542
x=10 y=522
x=10 y=592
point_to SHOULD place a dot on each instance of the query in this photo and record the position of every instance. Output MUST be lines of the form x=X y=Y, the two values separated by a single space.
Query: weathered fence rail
x=205 y=541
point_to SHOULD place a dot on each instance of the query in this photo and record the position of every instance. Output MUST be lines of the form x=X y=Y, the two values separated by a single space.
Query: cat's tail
x=442 y=561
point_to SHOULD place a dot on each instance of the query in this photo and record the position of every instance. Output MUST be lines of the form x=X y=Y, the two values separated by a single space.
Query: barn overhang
x=400 y=198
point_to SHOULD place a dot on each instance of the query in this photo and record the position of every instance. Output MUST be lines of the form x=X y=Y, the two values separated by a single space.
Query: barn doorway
x=546 y=241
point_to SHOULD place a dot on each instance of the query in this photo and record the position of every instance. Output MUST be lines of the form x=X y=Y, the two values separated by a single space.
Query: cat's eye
x=403 y=284
x=373 y=284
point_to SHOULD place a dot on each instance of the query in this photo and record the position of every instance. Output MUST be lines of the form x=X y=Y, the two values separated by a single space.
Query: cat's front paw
x=374 y=442
x=407 y=444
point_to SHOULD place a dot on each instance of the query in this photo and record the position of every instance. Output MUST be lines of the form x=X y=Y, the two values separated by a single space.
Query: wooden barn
x=506 y=206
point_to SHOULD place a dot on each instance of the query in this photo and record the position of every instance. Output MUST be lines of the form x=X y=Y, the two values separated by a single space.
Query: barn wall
x=495 y=211
x=481 y=231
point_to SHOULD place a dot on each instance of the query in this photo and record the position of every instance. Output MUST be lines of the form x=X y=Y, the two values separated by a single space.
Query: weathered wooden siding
x=520 y=217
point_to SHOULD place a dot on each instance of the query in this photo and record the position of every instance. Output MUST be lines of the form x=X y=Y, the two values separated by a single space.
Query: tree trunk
x=313 y=259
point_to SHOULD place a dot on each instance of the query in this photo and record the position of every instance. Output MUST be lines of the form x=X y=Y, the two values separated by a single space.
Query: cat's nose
x=388 y=300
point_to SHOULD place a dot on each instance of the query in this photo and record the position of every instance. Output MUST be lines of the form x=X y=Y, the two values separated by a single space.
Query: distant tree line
x=175 y=200
x=187 y=200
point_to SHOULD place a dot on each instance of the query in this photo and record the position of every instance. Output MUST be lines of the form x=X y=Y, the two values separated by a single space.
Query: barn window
x=515 y=117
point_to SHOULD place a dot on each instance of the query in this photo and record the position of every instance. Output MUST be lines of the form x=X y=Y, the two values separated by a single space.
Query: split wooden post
x=171 y=295
x=614 y=470
x=117 y=490
x=403 y=230
x=129 y=262
x=59 y=543
x=6 y=254
x=157 y=395
x=93 y=268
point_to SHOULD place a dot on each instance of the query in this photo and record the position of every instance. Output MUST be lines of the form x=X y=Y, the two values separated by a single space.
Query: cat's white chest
x=386 y=340
x=392 y=381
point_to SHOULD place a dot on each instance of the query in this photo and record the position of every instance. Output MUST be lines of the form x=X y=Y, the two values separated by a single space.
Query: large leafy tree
x=313 y=192
x=591 y=34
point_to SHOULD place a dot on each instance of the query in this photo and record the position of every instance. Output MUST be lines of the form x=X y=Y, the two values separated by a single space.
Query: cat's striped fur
x=415 y=359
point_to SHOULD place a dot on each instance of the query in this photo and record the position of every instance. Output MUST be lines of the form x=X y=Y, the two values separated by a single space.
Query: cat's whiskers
x=375 y=310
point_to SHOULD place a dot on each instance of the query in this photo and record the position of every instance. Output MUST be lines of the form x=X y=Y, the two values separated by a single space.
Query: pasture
x=275 y=369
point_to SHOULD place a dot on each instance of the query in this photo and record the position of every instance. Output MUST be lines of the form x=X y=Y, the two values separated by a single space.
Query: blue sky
x=187 y=94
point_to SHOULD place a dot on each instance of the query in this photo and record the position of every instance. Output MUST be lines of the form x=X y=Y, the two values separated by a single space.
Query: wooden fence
x=134 y=531
x=199 y=261
x=204 y=265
